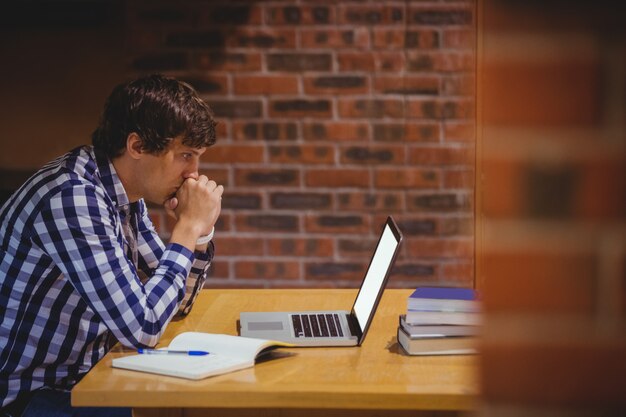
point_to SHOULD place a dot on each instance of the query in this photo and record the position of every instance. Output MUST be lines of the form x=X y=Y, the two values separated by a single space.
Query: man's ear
x=134 y=146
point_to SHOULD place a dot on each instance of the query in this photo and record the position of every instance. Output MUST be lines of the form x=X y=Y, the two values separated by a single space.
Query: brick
x=436 y=247
x=267 y=223
x=332 y=177
x=404 y=271
x=459 y=132
x=266 y=177
x=331 y=223
x=219 y=268
x=459 y=178
x=356 y=61
x=266 y=131
x=371 y=108
x=228 y=154
x=400 y=39
x=406 y=178
x=376 y=201
x=235 y=283
x=224 y=61
x=455 y=38
x=559 y=374
x=335 y=38
x=308 y=201
x=300 y=15
x=378 y=61
x=389 y=61
x=167 y=61
x=439 y=17
x=238 y=246
x=440 y=202
x=406 y=132
x=224 y=223
x=457 y=108
x=371 y=15
x=458 y=85
x=417 y=226
x=308 y=247
x=237 y=108
x=268 y=270
x=261 y=38
x=456 y=226
x=222 y=130
x=375 y=155
x=442 y=156
x=258 y=84
x=338 y=84
x=457 y=271
x=336 y=131
x=218 y=175
x=300 y=108
x=291 y=62
x=448 y=62
x=424 y=85
x=238 y=200
x=348 y=273
x=352 y=248
x=303 y=154
x=209 y=84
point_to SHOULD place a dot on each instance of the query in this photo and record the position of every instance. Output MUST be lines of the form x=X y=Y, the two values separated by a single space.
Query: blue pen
x=172 y=352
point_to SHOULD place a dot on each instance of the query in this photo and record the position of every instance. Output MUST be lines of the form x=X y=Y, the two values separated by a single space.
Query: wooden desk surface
x=377 y=375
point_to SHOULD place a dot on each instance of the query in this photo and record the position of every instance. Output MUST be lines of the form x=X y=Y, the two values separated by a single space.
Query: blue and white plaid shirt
x=67 y=288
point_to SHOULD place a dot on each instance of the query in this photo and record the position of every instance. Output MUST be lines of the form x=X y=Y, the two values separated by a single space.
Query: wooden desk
x=306 y=381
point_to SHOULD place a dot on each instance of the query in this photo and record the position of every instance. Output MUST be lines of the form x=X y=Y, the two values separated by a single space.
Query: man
x=81 y=265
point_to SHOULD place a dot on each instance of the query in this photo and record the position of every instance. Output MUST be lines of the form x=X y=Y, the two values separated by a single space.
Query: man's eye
x=187 y=156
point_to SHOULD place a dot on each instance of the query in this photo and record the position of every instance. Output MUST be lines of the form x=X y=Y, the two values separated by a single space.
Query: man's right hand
x=195 y=207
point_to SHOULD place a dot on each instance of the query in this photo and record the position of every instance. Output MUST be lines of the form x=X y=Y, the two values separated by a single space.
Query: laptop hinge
x=354 y=325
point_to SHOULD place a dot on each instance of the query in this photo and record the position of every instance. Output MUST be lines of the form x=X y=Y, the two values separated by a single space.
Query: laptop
x=337 y=327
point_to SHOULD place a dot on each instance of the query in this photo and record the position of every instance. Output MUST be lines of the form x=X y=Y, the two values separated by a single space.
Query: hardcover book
x=227 y=353
x=443 y=317
x=444 y=299
x=443 y=345
x=438 y=330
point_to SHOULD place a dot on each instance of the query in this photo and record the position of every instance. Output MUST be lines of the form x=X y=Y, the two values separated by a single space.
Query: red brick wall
x=552 y=252
x=332 y=116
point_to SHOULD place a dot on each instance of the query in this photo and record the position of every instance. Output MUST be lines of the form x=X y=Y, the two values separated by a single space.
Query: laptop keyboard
x=316 y=325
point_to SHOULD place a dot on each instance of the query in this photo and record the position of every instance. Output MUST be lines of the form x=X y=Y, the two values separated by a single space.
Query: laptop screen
x=377 y=273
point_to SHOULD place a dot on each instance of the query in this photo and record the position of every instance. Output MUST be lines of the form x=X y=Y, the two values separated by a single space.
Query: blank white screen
x=381 y=262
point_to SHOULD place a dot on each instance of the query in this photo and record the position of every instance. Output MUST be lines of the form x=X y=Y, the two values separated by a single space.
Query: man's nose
x=192 y=172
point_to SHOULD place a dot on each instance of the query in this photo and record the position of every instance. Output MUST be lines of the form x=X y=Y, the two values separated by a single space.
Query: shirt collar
x=110 y=180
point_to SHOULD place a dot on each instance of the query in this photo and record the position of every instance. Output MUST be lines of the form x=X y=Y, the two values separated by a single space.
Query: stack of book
x=440 y=321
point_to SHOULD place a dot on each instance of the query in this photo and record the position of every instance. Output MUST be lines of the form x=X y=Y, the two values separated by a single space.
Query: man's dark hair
x=158 y=109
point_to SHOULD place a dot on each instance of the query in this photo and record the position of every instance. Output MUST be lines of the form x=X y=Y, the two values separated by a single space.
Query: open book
x=226 y=354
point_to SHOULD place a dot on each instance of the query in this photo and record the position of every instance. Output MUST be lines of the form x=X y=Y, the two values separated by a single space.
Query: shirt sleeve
x=80 y=230
x=150 y=248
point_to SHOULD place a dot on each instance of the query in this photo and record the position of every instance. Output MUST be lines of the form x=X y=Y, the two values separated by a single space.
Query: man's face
x=164 y=173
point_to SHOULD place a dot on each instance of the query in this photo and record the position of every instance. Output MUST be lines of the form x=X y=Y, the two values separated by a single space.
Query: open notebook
x=227 y=353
